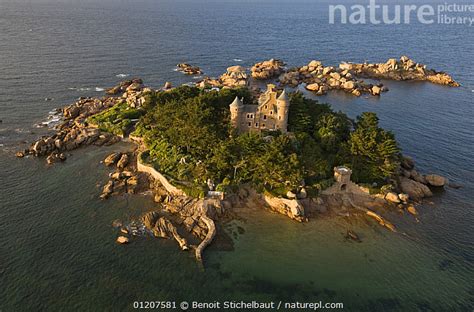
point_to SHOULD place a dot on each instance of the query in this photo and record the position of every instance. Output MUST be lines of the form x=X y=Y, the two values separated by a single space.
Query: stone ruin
x=343 y=183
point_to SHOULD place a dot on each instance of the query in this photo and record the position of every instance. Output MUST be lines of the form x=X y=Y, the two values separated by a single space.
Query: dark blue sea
x=57 y=243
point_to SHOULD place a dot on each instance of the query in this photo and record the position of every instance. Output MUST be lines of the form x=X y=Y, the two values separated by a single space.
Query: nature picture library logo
x=393 y=14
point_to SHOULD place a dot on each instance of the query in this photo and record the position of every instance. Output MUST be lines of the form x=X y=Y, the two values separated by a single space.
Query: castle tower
x=235 y=111
x=271 y=88
x=283 y=109
x=342 y=174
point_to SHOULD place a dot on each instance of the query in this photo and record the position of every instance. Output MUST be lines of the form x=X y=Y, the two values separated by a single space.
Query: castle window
x=250 y=124
x=271 y=112
x=264 y=117
x=266 y=106
x=279 y=117
x=263 y=125
x=256 y=125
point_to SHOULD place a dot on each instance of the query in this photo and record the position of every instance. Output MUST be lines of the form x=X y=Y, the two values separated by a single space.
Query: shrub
x=117 y=119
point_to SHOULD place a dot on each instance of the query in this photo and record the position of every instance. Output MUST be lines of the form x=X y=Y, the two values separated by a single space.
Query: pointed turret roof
x=284 y=97
x=237 y=102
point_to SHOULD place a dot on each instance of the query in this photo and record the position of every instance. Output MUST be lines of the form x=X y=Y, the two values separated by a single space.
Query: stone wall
x=158 y=176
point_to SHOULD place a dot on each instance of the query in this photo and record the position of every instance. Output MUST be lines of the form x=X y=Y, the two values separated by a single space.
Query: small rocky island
x=188 y=69
x=203 y=150
x=403 y=69
x=320 y=79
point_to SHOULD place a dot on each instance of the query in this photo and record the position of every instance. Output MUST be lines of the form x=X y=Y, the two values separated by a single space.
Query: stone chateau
x=271 y=113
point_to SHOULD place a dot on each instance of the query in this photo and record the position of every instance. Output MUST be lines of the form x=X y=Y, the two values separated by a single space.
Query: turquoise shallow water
x=61 y=254
x=57 y=248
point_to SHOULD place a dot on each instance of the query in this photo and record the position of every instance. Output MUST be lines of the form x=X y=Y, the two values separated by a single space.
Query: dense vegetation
x=188 y=133
x=328 y=139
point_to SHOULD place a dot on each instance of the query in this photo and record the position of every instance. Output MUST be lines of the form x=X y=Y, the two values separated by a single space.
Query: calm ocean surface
x=57 y=245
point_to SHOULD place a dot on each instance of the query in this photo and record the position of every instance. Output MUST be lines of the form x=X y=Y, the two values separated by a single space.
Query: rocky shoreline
x=268 y=69
x=74 y=131
x=191 y=221
x=402 y=69
x=320 y=79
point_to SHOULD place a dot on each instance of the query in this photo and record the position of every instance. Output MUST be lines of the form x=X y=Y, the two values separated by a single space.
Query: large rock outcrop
x=267 y=69
x=188 y=69
x=165 y=229
x=402 y=69
x=135 y=84
x=289 y=207
x=436 y=180
x=414 y=189
x=75 y=131
x=414 y=184
x=320 y=79
x=112 y=159
x=234 y=77
x=126 y=179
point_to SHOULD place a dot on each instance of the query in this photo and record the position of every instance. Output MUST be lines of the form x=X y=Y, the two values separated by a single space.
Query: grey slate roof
x=284 y=97
x=237 y=102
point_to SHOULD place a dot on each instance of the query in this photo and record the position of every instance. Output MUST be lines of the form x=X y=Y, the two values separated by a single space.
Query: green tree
x=190 y=138
x=331 y=130
x=278 y=166
x=314 y=161
x=304 y=113
x=375 y=153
